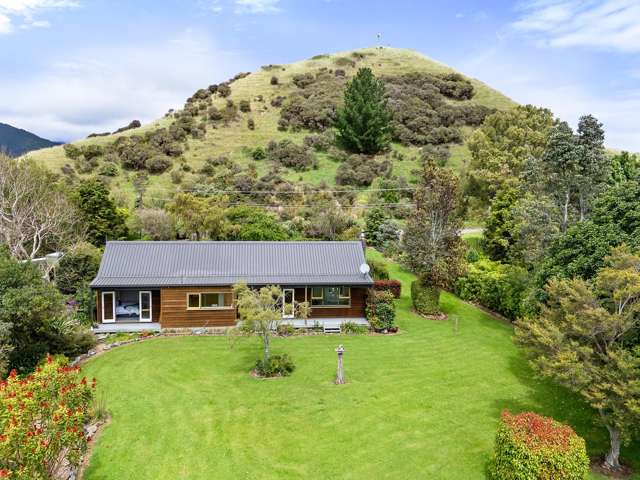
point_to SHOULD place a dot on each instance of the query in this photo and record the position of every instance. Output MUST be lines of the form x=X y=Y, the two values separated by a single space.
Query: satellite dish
x=364 y=268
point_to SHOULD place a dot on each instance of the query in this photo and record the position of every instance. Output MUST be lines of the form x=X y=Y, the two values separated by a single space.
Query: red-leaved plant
x=529 y=445
x=42 y=419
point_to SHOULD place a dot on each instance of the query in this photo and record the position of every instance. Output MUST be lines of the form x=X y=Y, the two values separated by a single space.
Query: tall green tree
x=579 y=340
x=100 y=216
x=560 y=167
x=503 y=143
x=363 y=122
x=595 y=166
x=432 y=243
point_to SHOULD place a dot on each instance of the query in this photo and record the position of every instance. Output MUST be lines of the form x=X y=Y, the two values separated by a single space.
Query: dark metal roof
x=160 y=264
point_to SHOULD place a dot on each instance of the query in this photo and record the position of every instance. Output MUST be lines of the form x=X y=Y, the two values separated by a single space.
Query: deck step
x=331 y=329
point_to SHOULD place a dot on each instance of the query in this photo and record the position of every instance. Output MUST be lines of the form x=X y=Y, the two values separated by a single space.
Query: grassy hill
x=234 y=139
x=16 y=141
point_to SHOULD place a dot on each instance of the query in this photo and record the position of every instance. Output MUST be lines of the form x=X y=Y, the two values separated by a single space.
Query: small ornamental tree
x=42 y=419
x=261 y=312
x=432 y=243
x=364 y=121
x=530 y=446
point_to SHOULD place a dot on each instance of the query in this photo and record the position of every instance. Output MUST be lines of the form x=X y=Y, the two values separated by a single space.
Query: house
x=188 y=285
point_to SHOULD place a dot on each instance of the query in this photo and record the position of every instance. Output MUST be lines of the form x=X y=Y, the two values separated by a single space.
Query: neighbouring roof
x=184 y=263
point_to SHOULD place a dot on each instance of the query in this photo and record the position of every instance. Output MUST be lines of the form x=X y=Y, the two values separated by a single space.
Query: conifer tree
x=364 y=120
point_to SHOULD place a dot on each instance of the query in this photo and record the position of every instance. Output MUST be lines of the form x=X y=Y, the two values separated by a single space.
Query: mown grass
x=233 y=140
x=421 y=404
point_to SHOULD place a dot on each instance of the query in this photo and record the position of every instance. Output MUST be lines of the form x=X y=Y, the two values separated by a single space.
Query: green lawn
x=421 y=404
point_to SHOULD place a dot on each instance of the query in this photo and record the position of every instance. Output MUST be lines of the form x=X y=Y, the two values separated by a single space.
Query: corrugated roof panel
x=224 y=263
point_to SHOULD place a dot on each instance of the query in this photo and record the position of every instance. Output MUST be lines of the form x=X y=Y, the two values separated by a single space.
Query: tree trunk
x=266 y=340
x=612 y=460
x=582 y=207
x=565 y=211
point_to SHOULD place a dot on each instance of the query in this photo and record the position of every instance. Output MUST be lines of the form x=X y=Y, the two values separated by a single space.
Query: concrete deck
x=126 y=327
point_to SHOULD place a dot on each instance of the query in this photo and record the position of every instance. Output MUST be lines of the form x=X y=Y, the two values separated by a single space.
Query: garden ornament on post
x=340 y=374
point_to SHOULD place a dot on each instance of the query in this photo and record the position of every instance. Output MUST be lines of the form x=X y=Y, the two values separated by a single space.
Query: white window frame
x=113 y=307
x=293 y=302
x=150 y=319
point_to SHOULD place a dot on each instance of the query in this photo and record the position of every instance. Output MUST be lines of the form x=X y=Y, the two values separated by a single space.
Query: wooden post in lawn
x=340 y=374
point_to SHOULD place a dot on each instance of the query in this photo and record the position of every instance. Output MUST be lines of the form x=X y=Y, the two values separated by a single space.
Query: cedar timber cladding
x=175 y=313
x=171 y=270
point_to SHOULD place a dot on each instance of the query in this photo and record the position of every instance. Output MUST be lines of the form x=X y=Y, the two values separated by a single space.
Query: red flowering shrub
x=530 y=446
x=42 y=419
x=392 y=286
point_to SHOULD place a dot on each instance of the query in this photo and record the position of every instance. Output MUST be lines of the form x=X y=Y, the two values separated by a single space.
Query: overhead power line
x=273 y=192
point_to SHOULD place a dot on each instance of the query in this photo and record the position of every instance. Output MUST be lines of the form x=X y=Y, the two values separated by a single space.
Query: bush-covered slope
x=15 y=141
x=278 y=119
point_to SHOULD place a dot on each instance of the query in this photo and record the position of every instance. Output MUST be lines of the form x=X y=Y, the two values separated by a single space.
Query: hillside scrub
x=290 y=155
x=361 y=170
x=313 y=106
x=421 y=113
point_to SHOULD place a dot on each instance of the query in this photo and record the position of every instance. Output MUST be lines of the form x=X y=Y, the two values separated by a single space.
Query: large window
x=330 y=296
x=208 y=300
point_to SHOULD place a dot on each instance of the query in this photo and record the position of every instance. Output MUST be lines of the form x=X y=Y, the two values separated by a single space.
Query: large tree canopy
x=34 y=212
x=580 y=340
x=503 y=143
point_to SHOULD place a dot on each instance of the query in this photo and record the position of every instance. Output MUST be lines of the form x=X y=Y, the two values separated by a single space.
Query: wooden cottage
x=181 y=284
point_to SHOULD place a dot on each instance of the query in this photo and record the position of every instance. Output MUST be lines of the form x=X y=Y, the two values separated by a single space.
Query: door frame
x=113 y=307
x=293 y=302
x=150 y=319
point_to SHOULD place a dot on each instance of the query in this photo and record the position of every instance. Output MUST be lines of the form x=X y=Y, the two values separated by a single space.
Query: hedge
x=499 y=287
x=530 y=446
x=393 y=286
x=426 y=298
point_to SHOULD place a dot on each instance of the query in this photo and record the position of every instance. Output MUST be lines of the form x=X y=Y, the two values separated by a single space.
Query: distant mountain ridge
x=16 y=141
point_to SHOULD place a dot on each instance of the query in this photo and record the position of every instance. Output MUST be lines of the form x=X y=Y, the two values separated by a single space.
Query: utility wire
x=204 y=190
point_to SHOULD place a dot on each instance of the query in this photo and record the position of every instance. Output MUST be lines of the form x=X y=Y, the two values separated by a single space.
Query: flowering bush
x=393 y=286
x=530 y=446
x=42 y=418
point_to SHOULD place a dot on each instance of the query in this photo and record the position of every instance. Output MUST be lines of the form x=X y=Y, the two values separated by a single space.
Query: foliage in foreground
x=33 y=318
x=584 y=340
x=530 y=446
x=42 y=419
